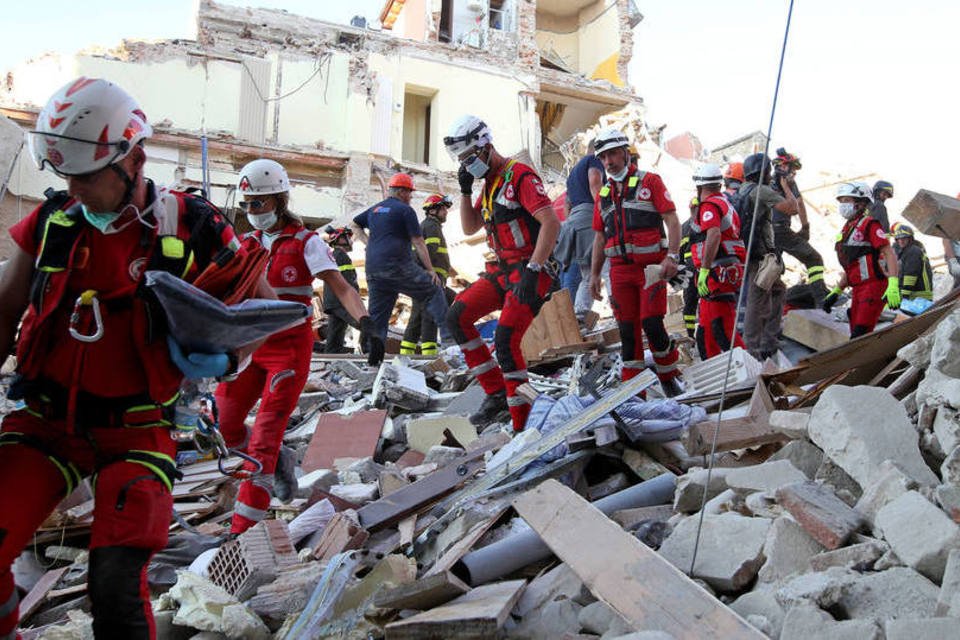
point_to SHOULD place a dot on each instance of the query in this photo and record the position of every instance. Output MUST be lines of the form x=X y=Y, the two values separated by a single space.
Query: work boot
x=493 y=405
x=285 y=476
x=672 y=387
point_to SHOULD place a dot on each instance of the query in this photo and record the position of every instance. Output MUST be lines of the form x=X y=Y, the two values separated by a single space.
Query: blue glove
x=198 y=365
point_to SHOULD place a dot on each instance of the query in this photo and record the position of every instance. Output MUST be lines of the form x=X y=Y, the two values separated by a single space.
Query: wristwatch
x=535 y=267
x=675 y=257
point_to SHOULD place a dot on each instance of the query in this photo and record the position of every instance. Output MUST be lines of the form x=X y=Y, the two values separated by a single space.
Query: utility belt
x=48 y=400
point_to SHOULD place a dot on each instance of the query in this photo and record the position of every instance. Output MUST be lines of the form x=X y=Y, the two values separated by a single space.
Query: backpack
x=743 y=201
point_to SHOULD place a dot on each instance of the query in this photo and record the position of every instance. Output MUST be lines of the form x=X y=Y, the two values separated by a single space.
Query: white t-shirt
x=316 y=253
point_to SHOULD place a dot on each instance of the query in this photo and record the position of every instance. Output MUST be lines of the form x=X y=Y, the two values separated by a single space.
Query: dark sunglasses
x=246 y=205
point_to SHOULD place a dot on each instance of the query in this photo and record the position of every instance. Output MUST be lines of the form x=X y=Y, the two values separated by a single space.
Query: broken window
x=416 y=124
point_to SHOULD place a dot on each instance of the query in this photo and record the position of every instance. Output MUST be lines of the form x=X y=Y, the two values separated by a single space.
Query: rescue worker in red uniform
x=861 y=246
x=279 y=368
x=719 y=256
x=97 y=372
x=629 y=217
x=522 y=229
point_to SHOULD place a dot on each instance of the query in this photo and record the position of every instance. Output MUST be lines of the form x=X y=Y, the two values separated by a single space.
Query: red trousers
x=491 y=292
x=866 y=305
x=40 y=462
x=640 y=309
x=718 y=310
x=276 y=375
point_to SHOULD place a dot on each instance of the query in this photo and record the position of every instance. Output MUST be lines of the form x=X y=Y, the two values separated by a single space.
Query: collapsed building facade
x=344 y=107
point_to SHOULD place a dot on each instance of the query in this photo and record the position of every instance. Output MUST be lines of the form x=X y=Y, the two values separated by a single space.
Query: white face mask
x=477 y=167
x=847 y=209
x=619 y=176
x=263 y=221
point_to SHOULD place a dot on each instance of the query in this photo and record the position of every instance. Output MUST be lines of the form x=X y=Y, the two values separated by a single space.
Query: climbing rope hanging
x=740 y=299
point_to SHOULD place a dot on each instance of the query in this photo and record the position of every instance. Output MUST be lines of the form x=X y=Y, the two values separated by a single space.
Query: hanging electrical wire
x=743 y=290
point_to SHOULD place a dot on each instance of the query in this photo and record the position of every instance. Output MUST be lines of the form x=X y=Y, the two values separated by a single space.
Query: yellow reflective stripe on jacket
x=431 y=240
x=346 y=267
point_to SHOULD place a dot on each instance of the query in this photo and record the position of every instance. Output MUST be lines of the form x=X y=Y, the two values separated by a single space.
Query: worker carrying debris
x=916 y=275
x=796 y=244
x=629 y=216
x=278 y=370
x=719 y=256
x=421 y=328
x=390 y=267
x=97 y=372
x=522 y=230
x=340 y=240
x=861 y=246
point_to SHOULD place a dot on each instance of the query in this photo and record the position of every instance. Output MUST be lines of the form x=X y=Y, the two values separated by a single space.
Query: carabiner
x=86 y=299
x=241 y=473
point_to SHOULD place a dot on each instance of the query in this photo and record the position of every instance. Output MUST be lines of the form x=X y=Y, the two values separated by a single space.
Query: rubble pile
x=830 y=508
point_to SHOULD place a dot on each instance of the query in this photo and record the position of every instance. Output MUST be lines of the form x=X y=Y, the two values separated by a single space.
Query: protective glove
x=681 y=278
x=702 y=287
x=804 y=231
x=831 y=299
x=465 y=178
x=892 y=294
x=196 y=366
x=526 y=288
x=370 y=342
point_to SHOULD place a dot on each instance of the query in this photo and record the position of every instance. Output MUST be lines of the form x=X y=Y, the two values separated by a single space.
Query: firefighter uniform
x=421 y=327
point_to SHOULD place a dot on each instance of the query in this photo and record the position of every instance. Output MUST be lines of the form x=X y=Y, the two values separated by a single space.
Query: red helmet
x=334 y=234
x=401 y=180
x=435 y=200
x=734 y=171
x=786 y=160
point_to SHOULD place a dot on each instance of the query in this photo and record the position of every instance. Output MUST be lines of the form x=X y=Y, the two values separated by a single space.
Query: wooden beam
x=649 y=592
x=39 y=592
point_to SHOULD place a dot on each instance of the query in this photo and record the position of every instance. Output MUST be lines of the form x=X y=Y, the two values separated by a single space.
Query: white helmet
x=707 y=173
x=609 y=138
x=855 y=190
x=263 y=177
x=467 y=133
x=87 y=125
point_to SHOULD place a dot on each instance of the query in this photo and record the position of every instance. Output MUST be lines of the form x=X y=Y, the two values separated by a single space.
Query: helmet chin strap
x=130 y=186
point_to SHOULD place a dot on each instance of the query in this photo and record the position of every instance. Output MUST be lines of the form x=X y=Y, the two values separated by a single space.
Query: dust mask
x=101 y=221
x=619 y=176
x=477 y=167
x=848 y=210
x=263 y=221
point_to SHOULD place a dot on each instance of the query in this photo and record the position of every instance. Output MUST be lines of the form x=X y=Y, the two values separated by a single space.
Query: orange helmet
x=436 y=200
x=401 y=180
x=734 y=171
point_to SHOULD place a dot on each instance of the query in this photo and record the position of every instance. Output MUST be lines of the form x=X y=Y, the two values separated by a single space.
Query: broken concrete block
x=79 y=626
x=859 y=557
x=768 y=476
x=689 y=492
x=401 y=386
x=728 y=500
x=793 y=424
x=804 y=455
x=424 y=433
x=821 y=513
x=887 y=561
x=845 y=487
x=730 y=552
x=559 y=582
x=761 y=602
x=322 y=478
x=823 y=589
x=890 y=484
x=948 y=497
x=763 y=504
x=950 y=469
x=314 y=518
x=945 y=353
x=920 y=533
x=442 y=456
x=599 y=618
x=946 y=426
x=642 y=635
x=937 y=389
x=860 y=427
x=921 y=629
x=467 y=402
x=950 y=586
x=357 y=493
x=207 y=607
x=788 y=549
x=359 y=471
x=917 y=352
x=804 y=622
x=900 y=592
x=554 y=619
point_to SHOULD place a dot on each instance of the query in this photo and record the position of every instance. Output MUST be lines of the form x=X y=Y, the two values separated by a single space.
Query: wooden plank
x=427 y=592
x=338 y=436
x=40 y=590
x=649 y=592
x=476 y=615
x=392 y=508
x=735 y=433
